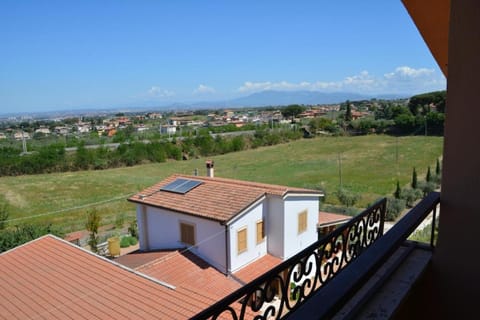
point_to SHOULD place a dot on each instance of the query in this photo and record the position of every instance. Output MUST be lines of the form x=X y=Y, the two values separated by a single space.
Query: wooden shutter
x=260 y=231
x=302 y=221
x=242 y=240
x=187 y=233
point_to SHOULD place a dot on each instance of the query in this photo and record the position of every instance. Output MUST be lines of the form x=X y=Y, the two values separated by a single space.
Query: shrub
x=133 y=241
x=394 y=208
x=410 y=196
x=426 y=187
x=125 y=242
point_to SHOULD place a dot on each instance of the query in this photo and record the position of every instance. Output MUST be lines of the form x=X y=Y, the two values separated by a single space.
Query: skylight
x=181 y=186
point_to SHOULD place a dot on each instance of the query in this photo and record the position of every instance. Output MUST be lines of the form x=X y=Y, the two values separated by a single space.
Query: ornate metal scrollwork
x=285 y=287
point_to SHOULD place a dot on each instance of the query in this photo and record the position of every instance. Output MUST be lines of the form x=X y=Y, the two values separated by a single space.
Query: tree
x=437 y=168
x=93 y=222
x=347 y=198
x=398 y=191
x=414 y=179
x=348 y=112
x=13 y=237
x=292 y=111
x=428 y=178
x=133 y=229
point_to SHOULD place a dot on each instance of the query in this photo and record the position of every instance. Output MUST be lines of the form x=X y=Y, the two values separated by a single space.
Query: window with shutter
x=187 y=233
x=260 y=231
x=242 y=240
x=302 y=221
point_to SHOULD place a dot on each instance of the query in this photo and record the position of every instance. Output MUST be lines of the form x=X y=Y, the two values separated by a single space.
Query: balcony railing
x=285 y=287
x=321 y=278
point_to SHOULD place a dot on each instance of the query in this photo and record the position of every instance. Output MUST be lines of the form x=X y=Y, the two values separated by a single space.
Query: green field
x=370 y=166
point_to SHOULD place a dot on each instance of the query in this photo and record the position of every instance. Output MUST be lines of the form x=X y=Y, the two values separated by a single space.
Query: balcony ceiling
x=432 y=19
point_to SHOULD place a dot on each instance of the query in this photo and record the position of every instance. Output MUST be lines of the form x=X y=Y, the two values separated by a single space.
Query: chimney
x=209 y=164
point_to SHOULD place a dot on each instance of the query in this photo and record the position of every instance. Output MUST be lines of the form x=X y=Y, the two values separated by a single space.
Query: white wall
x=163 y=229
x=143 y=241
x=294 y=242
x=275 y=226
x=254 y=251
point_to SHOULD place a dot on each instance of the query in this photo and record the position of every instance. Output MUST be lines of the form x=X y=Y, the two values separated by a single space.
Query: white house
x=229 y=223
x=168 y=129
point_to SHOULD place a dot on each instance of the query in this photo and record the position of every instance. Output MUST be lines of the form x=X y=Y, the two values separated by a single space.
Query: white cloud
x=203 y=89
x=403 y=79
x=407 y=72
x=155 y=91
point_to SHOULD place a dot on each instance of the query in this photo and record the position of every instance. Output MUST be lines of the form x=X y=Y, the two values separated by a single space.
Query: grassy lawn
x=370 y=166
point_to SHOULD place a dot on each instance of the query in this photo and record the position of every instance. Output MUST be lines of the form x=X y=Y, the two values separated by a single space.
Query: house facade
x=228 y=223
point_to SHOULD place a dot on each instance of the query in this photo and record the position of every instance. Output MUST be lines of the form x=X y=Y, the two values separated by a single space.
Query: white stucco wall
x=249 y=220
x=275 y=230
x=294 y=242
x=163 y=230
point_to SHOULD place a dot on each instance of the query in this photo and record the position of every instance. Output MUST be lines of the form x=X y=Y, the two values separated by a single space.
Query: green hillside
x=370 y=166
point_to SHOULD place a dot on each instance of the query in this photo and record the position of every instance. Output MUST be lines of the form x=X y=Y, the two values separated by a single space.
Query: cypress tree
x=437 y=168
x=414 y=179
x=429 y=175
x=348 y=112
x=396 y=194
x=92 y=225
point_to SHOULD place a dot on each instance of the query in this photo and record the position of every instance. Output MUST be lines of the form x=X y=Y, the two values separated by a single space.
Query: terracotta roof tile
x=327 y=218
x=50 y=278
x=257 y=268
x=182 y=268
x=216 y=198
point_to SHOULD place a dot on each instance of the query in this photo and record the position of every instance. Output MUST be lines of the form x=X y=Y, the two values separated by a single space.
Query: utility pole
x=396 y=153
x=340 y=168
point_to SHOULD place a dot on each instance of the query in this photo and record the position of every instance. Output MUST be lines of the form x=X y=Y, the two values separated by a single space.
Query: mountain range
x=258 y=99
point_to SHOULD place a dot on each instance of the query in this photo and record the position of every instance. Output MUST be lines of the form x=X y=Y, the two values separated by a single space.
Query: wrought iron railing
x=285 y=287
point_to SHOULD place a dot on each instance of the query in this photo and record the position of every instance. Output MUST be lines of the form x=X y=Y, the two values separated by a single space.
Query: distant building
x=168 y=129
x=19 y=135
x=43 y=130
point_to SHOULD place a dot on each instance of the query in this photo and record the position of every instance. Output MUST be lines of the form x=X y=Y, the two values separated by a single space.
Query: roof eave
x=432 y=18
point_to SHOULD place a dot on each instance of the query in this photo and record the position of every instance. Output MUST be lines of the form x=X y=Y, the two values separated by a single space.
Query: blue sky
x=101 y=53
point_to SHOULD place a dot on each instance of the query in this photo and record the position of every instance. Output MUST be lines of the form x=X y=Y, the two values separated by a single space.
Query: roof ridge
x=248 y=183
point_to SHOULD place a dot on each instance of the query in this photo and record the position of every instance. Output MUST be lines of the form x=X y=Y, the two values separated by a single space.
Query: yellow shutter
x=302 y=221
x=260 y=231
x=187 y=233
x=242 y=240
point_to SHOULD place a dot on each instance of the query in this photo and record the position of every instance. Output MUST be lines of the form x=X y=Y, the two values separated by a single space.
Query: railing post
x=432 y=235
x=383 y=211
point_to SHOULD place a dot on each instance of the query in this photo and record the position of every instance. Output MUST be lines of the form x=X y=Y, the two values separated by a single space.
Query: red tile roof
x=51 y=278
x=219 y=199
x=184 y=269
x=257 y=268
x=327 y=218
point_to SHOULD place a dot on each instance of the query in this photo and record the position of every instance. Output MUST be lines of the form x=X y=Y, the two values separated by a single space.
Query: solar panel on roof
x=181 y=186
